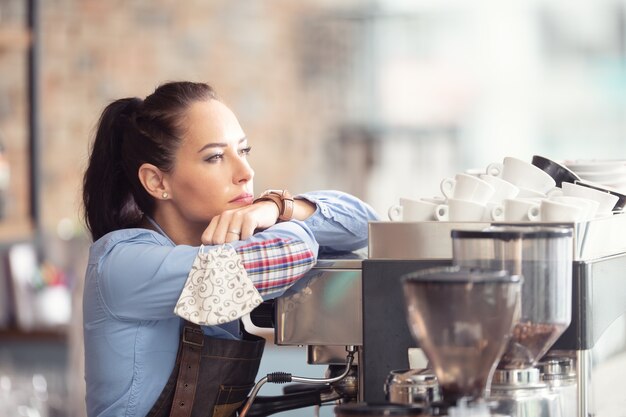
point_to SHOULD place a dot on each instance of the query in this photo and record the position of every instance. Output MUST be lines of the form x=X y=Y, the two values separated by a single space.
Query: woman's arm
x=340 y=221
x=142 y=278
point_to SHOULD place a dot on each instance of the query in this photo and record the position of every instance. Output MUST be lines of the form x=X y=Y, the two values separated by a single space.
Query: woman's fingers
x=217 y=232
x=209 y=232
x=248 y=226
x=230 y=226
x=239 y=224
x=224 y=228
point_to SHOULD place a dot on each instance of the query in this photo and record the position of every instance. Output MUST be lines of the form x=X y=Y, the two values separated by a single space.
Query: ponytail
x=107 y=191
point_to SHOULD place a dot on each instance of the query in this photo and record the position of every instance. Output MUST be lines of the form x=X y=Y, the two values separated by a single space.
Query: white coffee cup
x=556 y=211
x=467 y=187
x=456 y=210
x=436 y=199
x=517 y=210
x=503 y=188
x=605 y=199
x=590 y=206
x=528 y=193
x=489 y=210
x=412 y=210
x=522 y=174
x=476 y=172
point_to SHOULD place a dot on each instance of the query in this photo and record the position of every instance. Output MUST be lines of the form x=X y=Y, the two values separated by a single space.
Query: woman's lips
x=243 y=199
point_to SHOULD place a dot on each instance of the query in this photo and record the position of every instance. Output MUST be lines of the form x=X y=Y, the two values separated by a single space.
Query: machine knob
x=264 y=315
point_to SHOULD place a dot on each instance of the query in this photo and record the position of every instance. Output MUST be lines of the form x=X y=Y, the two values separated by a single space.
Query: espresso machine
x=584 y=365
x=480 y=335
x=357 y=303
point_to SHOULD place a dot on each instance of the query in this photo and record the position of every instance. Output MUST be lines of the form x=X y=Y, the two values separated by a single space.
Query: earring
x=165 y=195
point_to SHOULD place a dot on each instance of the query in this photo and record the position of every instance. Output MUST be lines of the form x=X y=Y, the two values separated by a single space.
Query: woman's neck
x=179 y=233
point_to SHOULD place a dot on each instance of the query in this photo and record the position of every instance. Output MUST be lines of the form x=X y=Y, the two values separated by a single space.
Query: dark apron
x=212 y=377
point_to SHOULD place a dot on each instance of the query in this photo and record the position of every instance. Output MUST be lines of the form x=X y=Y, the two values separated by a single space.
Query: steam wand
x=283 y=377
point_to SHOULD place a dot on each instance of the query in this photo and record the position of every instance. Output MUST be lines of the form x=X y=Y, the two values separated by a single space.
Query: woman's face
x=211 y=171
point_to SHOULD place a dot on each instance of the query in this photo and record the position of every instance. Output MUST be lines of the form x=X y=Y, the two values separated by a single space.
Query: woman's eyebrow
x=213 y=145
x=220 y=144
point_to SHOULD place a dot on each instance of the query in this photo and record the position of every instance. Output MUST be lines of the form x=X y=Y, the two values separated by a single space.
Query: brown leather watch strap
x=282 y=199
x=192 y=341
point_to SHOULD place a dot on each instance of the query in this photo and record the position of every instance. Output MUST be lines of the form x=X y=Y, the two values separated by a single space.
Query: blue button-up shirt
x=135 y=276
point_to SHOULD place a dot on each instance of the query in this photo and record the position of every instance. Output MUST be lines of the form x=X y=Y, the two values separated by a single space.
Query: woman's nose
x=244 y=171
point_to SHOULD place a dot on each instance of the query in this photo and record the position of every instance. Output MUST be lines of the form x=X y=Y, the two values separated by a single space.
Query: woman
x=182 y=250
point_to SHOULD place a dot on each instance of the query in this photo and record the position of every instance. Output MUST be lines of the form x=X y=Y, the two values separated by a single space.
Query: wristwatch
x=284 y=201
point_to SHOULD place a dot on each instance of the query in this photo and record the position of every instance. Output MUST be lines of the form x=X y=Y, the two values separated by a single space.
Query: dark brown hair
x=131 y=132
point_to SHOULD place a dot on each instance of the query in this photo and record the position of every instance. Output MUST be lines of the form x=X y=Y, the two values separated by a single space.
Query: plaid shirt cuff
x=274 y=264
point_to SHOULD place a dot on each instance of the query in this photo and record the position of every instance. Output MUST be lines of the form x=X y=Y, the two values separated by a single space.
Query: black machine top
x=457 y=274
x=514 y=232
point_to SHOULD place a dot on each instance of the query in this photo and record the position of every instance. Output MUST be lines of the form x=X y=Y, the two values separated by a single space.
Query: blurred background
x=379 y=98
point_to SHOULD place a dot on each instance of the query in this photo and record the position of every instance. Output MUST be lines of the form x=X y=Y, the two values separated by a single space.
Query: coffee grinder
x=462 y=319
x=543 y=257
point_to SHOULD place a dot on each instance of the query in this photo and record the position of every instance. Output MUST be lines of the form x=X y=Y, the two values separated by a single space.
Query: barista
x=182 y=250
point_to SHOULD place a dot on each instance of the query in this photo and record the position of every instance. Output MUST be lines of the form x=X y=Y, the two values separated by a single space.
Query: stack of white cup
x=466 y=198
x=511 y=191
x=540 y=200
x=534 y=186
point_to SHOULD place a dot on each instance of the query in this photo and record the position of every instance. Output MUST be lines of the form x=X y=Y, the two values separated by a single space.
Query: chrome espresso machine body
x=359 y=303
x=322 y=311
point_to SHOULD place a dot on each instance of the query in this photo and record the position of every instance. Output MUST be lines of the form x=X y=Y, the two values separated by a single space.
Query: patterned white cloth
x=217 y=289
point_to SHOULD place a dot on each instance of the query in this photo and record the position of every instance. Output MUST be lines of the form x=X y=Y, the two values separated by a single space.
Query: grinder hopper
x=543 y=256
x=462 y=319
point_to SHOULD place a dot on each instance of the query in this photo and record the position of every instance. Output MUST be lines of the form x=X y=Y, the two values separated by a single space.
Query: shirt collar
x=159 y=229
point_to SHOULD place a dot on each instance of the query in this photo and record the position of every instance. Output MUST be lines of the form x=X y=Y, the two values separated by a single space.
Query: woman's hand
x=241 y=223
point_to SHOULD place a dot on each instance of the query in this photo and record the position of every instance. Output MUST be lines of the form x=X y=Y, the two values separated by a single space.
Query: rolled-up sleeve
x=275 y=258
x=340 y=222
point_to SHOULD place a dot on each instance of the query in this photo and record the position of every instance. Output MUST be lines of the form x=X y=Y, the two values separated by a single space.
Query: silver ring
x=234 y=232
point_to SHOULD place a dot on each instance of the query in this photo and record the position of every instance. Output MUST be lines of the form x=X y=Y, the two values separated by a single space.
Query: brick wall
x=96 y=51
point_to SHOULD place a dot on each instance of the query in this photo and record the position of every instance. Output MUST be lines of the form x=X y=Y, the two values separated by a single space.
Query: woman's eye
x=215 y=158
x=245 y=151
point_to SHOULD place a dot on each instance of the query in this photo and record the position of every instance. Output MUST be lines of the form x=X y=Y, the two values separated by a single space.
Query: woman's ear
x=153 y=181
